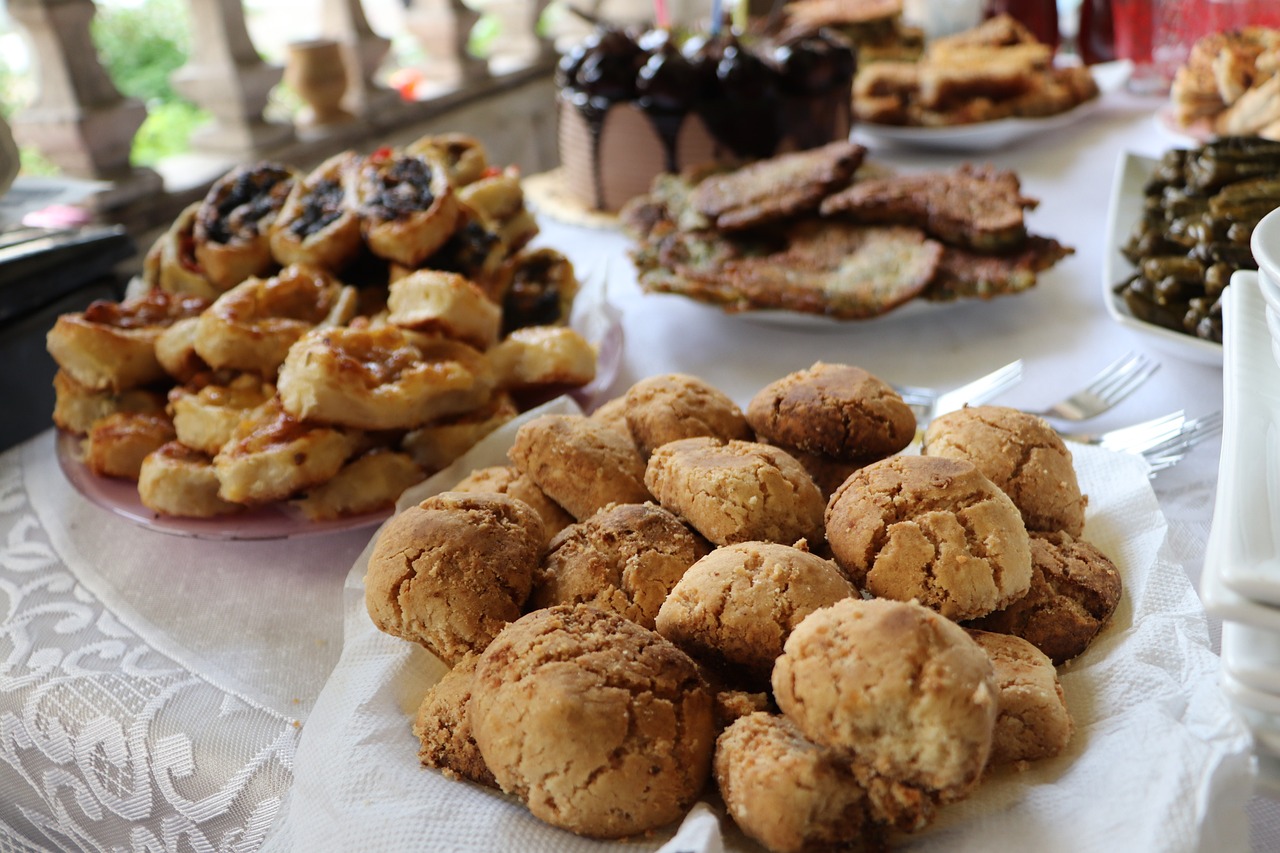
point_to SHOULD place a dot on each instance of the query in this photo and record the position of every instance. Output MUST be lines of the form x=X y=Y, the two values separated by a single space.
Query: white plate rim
x=1109 y=76
x=1125 y=209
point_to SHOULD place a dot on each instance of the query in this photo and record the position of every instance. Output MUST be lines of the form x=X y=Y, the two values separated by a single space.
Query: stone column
x=226 y=76
x=79 y=119
x=443 y=28
x=363 y=54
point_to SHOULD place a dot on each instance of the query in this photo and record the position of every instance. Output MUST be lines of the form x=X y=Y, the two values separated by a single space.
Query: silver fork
x=1113 y=383
x=929 y=403
x=1162 y=441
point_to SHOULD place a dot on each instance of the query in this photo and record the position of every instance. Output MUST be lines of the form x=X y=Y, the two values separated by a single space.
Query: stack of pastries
x=674 y=593
x=325 y=338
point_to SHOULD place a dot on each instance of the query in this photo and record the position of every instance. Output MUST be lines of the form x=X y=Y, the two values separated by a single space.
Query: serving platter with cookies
x=681 y=660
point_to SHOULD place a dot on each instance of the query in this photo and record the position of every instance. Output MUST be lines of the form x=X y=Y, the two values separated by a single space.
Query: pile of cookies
x=673 y=592
x=326 y=339
x=1229 y=84
x=993 y=71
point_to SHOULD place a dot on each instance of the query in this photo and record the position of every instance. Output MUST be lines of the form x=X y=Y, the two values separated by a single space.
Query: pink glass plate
x=120 y=497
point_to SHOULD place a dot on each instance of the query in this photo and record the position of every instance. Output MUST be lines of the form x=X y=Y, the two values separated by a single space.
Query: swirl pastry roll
x=112 y=345
x=77 y=407
x=463 y=157
x=207 y=410
x=543 y=356
x=368 y=483
x=118 y=443
x=232 y=222
x=318 y=223
x=472 y=251
x=171 y=264
x=176 y=350
x=252 y=325
x=179 y=481
x=447 y=303
x=406 y=205
x=381 y=378
x=499 y=200
x=271 y=456
x=536 y=288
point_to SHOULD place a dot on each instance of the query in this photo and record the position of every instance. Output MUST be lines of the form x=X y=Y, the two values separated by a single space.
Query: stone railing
x=81 y=122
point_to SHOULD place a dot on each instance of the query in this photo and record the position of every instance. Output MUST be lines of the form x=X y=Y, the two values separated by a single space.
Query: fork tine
x=980 y=390
x=1192 y=433
x=1138 y=435
x=1124 y=382
x=1116 y=370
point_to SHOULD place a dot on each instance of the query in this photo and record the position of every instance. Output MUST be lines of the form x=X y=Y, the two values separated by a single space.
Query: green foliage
x=480 y=41
x=141 y=46
x=166 y=131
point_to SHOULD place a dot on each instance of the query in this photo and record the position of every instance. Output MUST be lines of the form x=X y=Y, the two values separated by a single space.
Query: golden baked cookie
x=443 y=726
x=1033 y=721
x=271 y=455
x=507 y=480
x=451 y=572
x=543 y=357
x=112 y=345
x=381 y=378
x=896 y=688
x=787 y=792
x=176 y=350
x=828 y=473
x=436 y=445
x=931 y=529
x=447 y=304
x=207 y=410
x=580 y=464
x=406 y=205
x=1020 y=453
x=736 y=491
x=624 y=559
x=834 y=410
x=178 y=481
x=253 y=325
x=118 y=443
x=76 y=407
x=598 y=725
x=673 y=406
x=613 y=414
x=372 y=481
x=1074 y=590
x=734 y=609
x=318 y=223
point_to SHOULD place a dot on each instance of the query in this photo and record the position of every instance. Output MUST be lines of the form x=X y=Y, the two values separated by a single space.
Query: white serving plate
x=992 y=135
x=1125 y=210
x=1244 y=541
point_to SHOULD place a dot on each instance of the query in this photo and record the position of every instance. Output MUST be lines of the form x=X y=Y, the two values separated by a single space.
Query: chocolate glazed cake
x=633 y=106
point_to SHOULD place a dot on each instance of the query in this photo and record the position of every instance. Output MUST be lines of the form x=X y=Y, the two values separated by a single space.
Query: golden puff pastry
x=176 y=350
x=112 y=345
x=381 y=378
x=498 y=199
x=543 y=356
x=252 y=326
x=77 y=407
x=207 y=410
x=118 y=443
x=436 y=445
x=536 y=288
x=444 y=303
x=473 y=251
x=272 y=456
x=231 y=224
x=318 y=224
x=406 y=205
x=368 y=483
x=463 y=157
x=178 y=481
x=171 y=264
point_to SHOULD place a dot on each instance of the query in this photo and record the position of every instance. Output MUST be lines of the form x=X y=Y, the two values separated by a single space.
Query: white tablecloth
x=153 y=687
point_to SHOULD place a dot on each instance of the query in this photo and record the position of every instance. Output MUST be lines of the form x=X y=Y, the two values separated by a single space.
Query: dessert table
x=154 y=688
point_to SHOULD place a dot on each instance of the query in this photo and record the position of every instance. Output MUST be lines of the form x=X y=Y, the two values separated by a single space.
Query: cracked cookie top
x=931 y=529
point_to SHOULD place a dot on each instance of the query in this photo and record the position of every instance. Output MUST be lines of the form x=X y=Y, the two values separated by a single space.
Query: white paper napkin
x=1158 y=760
